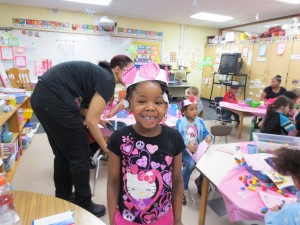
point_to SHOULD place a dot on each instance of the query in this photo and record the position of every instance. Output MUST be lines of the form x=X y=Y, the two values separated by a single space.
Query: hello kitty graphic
x=191 y=134
x=143 y=188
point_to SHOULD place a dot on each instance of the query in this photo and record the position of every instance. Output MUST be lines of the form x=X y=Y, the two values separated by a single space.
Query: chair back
x=217 y=100
x=221 y=131
x=19 y=78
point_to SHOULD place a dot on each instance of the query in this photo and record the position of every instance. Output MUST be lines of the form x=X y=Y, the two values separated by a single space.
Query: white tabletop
x=215 y=164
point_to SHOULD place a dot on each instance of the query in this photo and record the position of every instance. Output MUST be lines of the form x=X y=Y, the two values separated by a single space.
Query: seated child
x=287 y=162
x=230 y=96
x=193 y=131
x=276 y=120
x=195 y=91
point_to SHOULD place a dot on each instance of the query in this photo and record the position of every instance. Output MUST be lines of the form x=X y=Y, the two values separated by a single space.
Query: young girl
x=195 y=92
x=144 y=168
x=193 y=131
x=276 y=120
x=287 y=162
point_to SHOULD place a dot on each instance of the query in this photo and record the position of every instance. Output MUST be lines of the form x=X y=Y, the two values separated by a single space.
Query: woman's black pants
x=68 y=139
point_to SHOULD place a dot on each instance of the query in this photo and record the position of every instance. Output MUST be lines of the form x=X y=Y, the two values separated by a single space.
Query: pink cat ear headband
x=190 y=100
x=150 y=71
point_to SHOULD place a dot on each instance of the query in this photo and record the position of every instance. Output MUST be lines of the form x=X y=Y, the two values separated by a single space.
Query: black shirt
x=77 y=81
x=272 y=125
x=271 y=94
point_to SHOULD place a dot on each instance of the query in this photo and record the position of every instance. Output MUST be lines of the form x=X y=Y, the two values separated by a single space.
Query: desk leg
x=203 y=201
x=241 y=125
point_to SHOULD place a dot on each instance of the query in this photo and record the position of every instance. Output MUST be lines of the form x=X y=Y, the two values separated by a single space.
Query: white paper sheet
x=201 y=149
x=274 y=200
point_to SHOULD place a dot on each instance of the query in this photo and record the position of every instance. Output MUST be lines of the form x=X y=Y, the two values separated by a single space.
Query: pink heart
x=142 y=162
x=149 y=71
x=129 y=75
x=127 y=147
x=129 y=205
x=135 y=152
x=155 y=165
x=169 y=160
x=134 y=169
x=167 y=177
x=148 y=217
x=151 y=148
x=162 y=166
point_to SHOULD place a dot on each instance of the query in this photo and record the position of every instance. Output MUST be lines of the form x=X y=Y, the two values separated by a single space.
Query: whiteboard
x=60 y=47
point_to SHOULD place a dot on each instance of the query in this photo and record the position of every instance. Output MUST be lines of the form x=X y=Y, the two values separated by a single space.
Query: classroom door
x=246 y=51
x=294 y=65
x=280 y=59
x=260 y=59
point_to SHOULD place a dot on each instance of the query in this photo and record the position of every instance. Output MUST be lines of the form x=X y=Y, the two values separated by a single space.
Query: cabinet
x=15 y=126
x=228 y=80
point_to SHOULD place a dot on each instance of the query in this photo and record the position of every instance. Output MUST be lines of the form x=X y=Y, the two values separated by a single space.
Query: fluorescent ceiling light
x=289 y=1
x=211 y=17
x=91 y=2
x=272 y=25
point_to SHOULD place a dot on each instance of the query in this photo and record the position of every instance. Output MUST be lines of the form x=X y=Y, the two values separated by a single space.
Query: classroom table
x=31 y=206
x=242 y=112
x=219 y=168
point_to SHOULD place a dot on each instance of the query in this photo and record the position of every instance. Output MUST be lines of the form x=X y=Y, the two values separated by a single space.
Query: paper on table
x=66 y=218
x=228 y=149
x=201 y=149
x=258 y=162
x=273 y=200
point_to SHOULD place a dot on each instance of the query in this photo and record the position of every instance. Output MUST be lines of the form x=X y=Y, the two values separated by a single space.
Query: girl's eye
x=141 y=101
x=159 y=103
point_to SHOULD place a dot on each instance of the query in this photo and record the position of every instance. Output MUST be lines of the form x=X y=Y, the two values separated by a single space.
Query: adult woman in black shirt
x=64 y=94
x=274 y=90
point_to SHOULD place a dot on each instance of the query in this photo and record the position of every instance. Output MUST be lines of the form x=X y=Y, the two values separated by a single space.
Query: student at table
x=230 y=96
x=65 y=95
x=274 y=90
x=276 y=120
x=287 y=162
x=195 y=92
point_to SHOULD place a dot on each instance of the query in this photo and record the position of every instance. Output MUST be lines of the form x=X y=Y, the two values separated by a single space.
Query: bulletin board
x=45 y=49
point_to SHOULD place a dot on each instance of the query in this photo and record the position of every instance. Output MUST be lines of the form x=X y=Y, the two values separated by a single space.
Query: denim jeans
x=188 y=166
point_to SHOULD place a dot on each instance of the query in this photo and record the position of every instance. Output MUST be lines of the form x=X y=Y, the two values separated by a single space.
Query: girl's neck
x=280 y=111
x=276 y=89
x=147 y=132
x=190 y=120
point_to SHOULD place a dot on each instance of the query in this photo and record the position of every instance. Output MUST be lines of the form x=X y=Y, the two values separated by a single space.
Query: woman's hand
x=104 y=123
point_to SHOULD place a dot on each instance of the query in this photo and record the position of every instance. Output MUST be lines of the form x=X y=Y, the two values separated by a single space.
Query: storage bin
x=27 y=113
x=268 y=143
x=20 y=97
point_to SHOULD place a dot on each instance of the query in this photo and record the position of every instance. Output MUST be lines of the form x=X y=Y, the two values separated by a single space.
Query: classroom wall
x=194 y=37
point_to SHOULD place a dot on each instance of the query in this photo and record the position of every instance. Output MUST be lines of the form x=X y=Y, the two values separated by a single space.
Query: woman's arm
x=115 y=110
x=263 y=96
x=113 y=185
x=177 y=183
x=93 y=114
